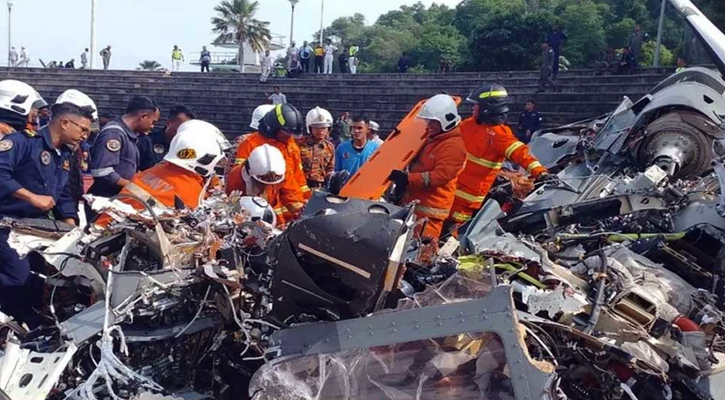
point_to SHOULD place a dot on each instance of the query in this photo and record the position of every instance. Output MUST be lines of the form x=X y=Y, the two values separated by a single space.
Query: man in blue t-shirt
x=352 y=154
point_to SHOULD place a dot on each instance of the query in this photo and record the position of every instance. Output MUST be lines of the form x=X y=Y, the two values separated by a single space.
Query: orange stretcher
x=399 y=149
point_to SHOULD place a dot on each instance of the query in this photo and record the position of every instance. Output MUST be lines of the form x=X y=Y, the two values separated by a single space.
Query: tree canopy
x=484 y=35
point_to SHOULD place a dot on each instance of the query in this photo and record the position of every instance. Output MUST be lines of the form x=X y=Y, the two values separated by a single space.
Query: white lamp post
x=10 y=11
x=93 y=33
x=292 y=24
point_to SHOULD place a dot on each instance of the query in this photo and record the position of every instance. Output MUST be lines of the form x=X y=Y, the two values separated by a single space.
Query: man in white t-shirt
x=277 y=97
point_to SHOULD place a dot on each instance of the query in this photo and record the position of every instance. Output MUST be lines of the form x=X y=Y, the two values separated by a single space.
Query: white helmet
x=374 y=126
x=79 y=99
x=19 y=97
x=259 y=113
x=203 y=126
x=319 y=118
x=443 y=109
x=196 y=148
x=266 y=165
x=258 y=209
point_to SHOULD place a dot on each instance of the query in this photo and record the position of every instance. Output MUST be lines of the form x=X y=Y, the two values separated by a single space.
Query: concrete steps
x=227 y=99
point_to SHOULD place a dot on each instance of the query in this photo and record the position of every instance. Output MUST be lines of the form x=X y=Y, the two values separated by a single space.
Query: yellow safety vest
x=176 y=54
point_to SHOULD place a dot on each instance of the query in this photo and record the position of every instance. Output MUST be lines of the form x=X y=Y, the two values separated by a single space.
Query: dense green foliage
x=484 y=35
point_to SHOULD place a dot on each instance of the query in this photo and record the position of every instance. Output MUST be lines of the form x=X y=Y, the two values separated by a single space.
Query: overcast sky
x=141 y=30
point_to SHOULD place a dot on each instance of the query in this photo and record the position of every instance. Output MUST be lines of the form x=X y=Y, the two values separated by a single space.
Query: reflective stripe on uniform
x=493 y=93
x=470 y=197
x=437 y=213
x=461 y=217
x=483 y=162
x=533 y=165
x=280 y=210
x=280 y=117
x=426 y=179
x=513 y=148
x=98 y=173
x=305 y=188
x=295 y=206
x=239 y=161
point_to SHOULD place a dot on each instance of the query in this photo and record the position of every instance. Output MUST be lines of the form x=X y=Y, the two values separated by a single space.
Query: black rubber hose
x=599 y=296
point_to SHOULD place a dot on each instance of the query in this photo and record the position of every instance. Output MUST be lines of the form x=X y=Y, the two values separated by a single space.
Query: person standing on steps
x=13 y=57
x=266 y=65
x=342 y=61
x=548 y=60
x=319 y=58
x=556 y=40
x=205 y=59
x=635 y=44
x=106 y=56
x=84 y=59
x=24 y=58
x=305 y=55
x=352 y=59
x=330 y=50
x=177 y=57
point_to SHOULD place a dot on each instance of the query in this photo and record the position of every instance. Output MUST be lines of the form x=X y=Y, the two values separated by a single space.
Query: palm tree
x=235 y=22
x=149 y=66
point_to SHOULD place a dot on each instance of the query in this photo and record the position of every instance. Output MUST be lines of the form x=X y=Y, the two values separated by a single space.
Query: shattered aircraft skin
x=606 y=284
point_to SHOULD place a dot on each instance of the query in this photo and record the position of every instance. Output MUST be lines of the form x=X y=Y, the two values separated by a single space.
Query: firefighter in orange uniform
x=180 y=180
x=263 y=175
x=489 y=142
x=279 y=128
x=431 y=177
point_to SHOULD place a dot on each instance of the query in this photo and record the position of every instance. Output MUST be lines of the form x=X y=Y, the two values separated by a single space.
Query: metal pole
x=292 y=25
x=93 y=33
x=322 y=21
x=656 y=62
x=10 y=10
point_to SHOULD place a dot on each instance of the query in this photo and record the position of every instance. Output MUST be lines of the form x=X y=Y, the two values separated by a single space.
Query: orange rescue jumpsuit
x=432 y=179
x=164 y=182
x=488 y=146
x=292 y=157
x=272 y=193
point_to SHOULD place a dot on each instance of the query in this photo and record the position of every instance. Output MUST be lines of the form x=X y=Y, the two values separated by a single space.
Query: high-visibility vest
x=353 y=51
x=176 y=54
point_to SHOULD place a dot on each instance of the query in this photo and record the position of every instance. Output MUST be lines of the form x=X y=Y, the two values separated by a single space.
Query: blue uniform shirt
x=152 y=149
x=29 y=160
x=350 y=159
x=114 y=155
x=530 y=121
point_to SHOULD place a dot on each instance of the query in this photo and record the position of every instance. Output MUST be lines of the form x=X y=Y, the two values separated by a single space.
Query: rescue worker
x=489 y=142
x=114 y=152
x=279 y=128
x=153 y=148
x=432 y=175
x=263 y=175
x=180 y=180
x=318 y=153
x=34 y=171
x=17 y=102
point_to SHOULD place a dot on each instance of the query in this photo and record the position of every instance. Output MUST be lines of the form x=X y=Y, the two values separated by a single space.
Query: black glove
x=400 y=179
x=547 y=178
x=337 y=181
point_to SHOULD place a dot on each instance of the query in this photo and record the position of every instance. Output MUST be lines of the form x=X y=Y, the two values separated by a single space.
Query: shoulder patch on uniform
x=113 y=145
x=6 y=145
x=186 y=154
x=159 y=148
x=66 y=165
x=29 y=133
x=45 y=157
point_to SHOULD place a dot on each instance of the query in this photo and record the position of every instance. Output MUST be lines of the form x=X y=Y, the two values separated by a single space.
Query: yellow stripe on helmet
x=493 y=93
x=280 y=117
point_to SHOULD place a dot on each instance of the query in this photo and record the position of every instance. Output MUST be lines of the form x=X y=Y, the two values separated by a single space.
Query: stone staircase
x=227 y=99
